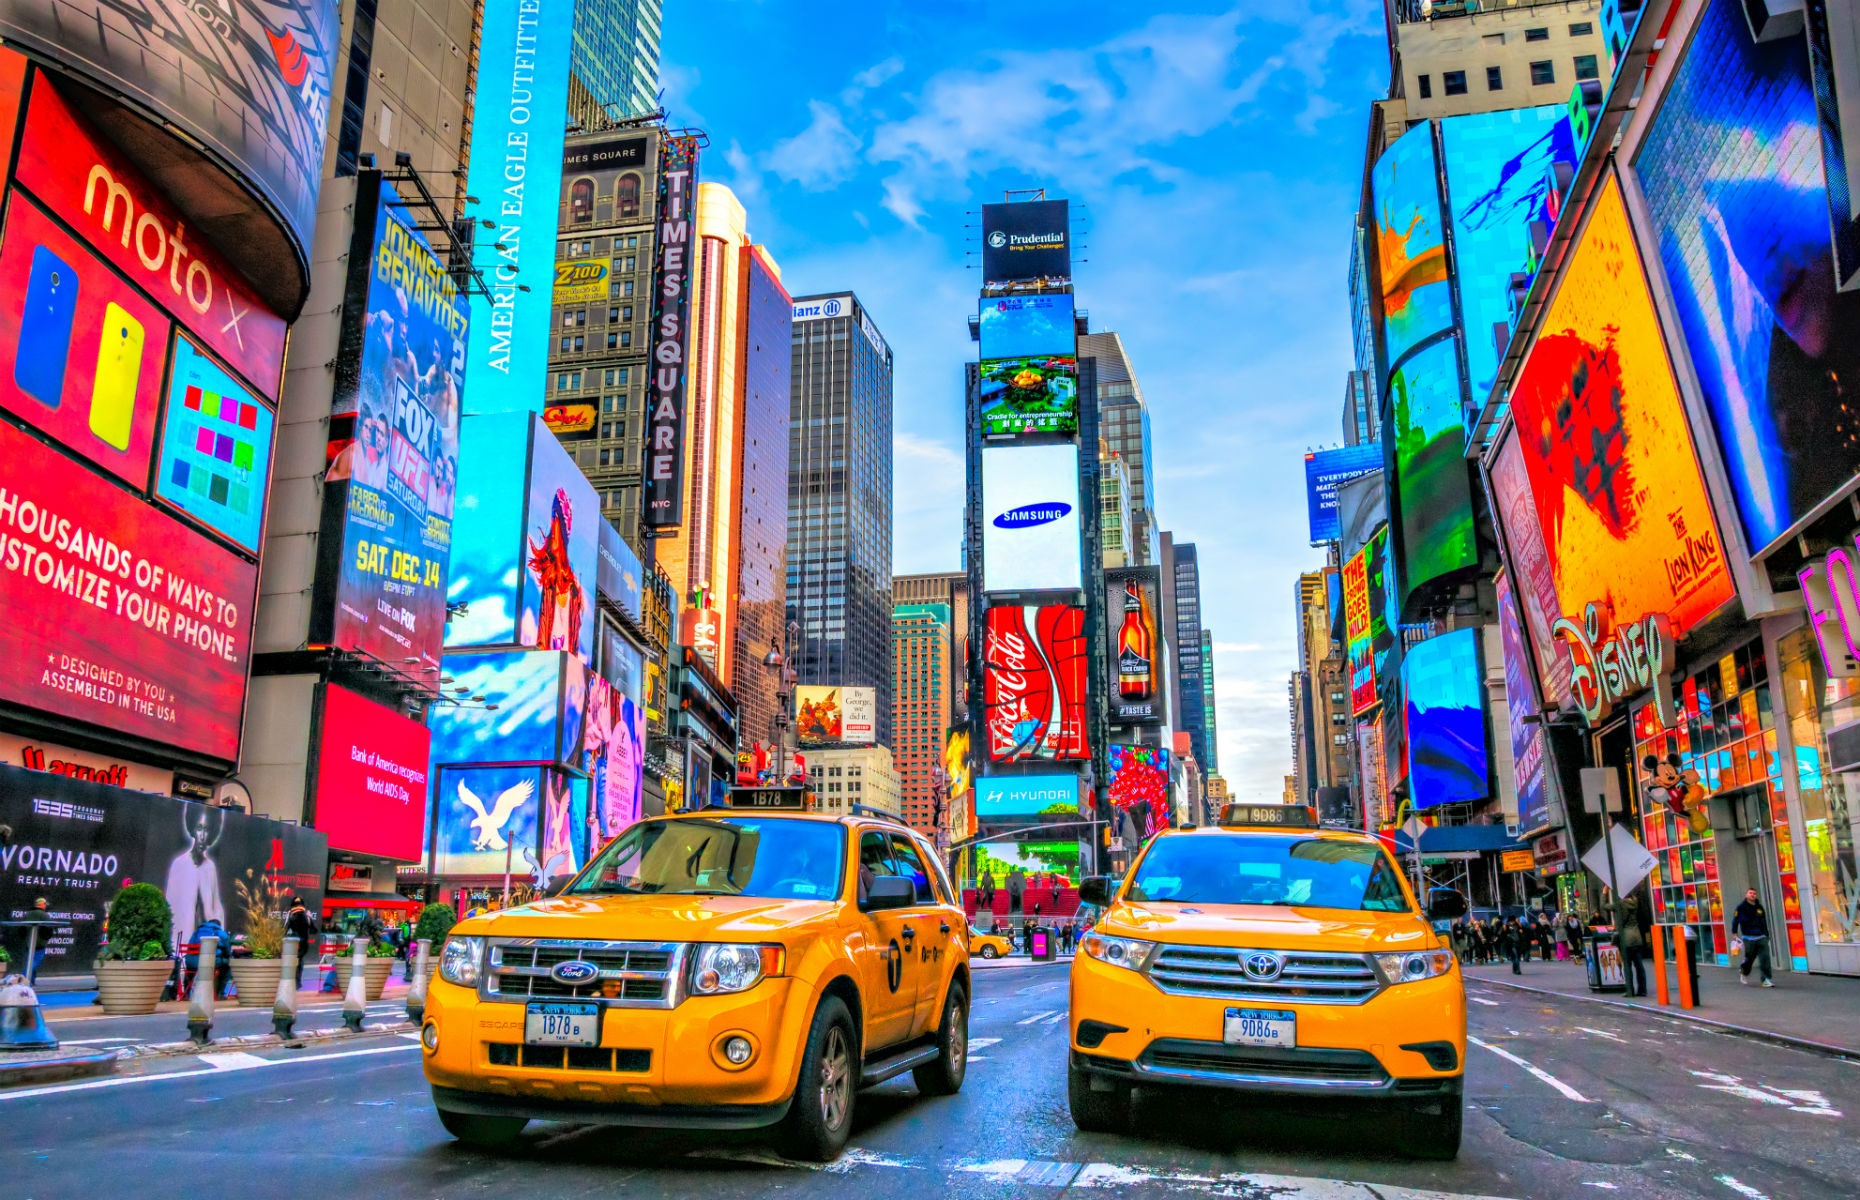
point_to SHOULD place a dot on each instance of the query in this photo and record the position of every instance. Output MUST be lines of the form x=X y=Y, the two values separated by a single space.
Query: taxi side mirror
x=1096 y=890
x=889 y=891
x=1445 y=904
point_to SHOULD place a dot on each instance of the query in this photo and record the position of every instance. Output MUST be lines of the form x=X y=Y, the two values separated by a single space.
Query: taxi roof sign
x=769 y=799
x=1276 y=816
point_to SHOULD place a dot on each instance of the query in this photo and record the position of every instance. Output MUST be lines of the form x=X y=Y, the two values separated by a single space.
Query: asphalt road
x=1565 y=1099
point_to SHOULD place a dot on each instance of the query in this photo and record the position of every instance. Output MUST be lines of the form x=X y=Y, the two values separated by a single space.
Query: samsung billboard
x=1030 y=518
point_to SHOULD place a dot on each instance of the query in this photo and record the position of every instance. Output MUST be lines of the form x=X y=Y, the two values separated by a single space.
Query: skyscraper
x=949 y=588
x=839 y=498
x=1186 y=572
x=756 y=607
x=614 y=69
x=1124 y=424
x=1210 y=748
x=923 y=674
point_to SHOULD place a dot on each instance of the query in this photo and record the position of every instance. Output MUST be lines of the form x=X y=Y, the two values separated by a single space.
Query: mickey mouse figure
x=1680 y=791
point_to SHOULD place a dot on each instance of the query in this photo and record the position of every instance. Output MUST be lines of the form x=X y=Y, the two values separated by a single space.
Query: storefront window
x=1815 y=704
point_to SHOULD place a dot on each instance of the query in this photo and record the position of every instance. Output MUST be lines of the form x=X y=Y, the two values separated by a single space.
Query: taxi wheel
x=476 y=1130
x=990 y=952
x=1097 y=1112
x=944 y=1075
x=1434 y=1135
x=820 y=1118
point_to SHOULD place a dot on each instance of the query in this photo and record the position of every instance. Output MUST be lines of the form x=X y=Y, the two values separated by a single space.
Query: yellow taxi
x=1270 y=957
x=988 y=945
x=739 y=968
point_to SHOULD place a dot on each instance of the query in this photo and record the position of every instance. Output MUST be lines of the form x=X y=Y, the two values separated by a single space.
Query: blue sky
x=1215 y=152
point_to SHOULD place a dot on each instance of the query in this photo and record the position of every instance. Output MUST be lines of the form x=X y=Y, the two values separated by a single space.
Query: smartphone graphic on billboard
x=119 y=366
x=45 y=327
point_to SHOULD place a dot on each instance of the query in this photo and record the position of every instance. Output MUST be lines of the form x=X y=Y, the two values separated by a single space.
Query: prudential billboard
x=516 y=174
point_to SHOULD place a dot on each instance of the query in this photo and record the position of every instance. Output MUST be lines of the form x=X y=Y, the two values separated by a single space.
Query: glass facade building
x=922 y=654
x=1187 y=642
x=615 y=61
x=1124 y=425
x=758 y=603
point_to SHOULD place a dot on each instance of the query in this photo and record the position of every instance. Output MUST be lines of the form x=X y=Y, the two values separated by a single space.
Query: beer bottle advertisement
x=1133 y=597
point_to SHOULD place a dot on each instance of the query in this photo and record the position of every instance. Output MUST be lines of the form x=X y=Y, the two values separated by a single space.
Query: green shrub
x=140 y=924
x=374 y=950
x=436 y=920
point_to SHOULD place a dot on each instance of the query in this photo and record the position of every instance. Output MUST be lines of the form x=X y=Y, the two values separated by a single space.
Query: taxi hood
x=1270 y=927
x=651 y=918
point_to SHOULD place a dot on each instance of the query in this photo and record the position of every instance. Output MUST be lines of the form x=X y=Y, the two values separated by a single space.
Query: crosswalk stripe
x=1036 y=1018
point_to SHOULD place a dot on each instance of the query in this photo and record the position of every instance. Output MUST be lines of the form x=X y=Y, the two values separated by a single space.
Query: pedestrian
x=1631 y=941
x=1513 y=938
x=1572 y=935
x=297 y=925
x=1751 y=925
x=988 y=891
x=1546 y=936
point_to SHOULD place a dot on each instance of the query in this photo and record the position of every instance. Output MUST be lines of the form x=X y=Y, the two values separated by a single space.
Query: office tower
x=1124 y=425
x=1185 y=639
x=842 y=777
x=1210 y=749
x=1115 y=524
x=839 y=499
x=1449 y=59
x=922 y=675
x=949 y=588
x=1361 y=421
x=614 y=68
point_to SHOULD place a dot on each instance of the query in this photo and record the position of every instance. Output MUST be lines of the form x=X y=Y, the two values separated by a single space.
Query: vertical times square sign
x=662 y=501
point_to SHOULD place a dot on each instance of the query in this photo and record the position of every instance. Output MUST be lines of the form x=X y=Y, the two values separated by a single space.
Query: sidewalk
x=1815 y=1012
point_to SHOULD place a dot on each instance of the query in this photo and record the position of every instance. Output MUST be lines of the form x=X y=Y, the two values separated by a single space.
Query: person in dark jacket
x=297 y=925
x=1512 y=938
x=1631 y=941
x=1752 y=924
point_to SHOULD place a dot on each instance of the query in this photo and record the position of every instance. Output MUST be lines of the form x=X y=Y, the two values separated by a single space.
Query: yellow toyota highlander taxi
x=726 y=969
x=1268 y=956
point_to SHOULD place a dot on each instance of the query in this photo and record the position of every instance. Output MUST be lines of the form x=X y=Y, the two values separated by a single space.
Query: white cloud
x=873 y=76
x=821 y=155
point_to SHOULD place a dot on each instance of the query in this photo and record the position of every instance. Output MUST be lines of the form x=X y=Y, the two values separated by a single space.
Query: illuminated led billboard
x=1140 y=784
x=1010 y=796
x=1027 y=241
x=1325 y=470
x=1034 y=664
x=1445 y=720
x=1027 y=326
x=1030 y=518
x=1527 y=737
x=1357 y=612
x=1606 y=446
x=1427 y=440
x=215 y=461
x=1029 y=395
x=1530 y=567
x=1135 y=646
x=487 y=818
x=1411 y=255
x=1733 y=177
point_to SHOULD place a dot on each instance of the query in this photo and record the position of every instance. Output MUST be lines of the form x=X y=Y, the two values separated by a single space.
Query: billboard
x=1026 y=241
x=663 y=472
x=1029 y=395
x=1498 y=173
x=1735 y=186
x=1027 y=326
x=1325 y=470
x=1140 y=784
x=117 y=614
x=77 y=843
x=1445 y=720
x=1528 y=561
x=1411 y=253
x=487 y=818
x=830 y=715
x=248 y=80
x=483 y=575
x=581 y=281
x=1358 y=614
x=614 y=745
x=381 y=585
x=215 y=461
x=540 y=697
x=999 y=797
x=1135 y=645
x=370 y=789
x=1030 y=518
x=1433 y=498
x=1606 y=446
x=561 y=545
x=1527 y=737
x=1034 y=665
x=516 y=129
x=618 y=571
x=1362 y=508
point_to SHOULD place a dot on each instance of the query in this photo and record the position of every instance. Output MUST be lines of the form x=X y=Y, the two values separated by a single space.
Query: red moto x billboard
x=370 y=777
x=1033 y=682
x=116 y=613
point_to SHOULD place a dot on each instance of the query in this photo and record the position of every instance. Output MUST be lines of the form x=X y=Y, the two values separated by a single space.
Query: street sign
x=1631 y=860
x=1518 y=860
x=1117 y=845
x=1414 y=827
x=1601 y=786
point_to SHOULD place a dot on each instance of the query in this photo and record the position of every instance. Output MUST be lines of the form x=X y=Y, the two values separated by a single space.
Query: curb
x=56 y=1070
x=250 y=1041
x=1759 y=1035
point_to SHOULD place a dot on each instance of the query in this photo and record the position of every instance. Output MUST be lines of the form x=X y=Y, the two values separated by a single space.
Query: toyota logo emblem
x=1262 y=965
x=575 y=972
x=997 y=239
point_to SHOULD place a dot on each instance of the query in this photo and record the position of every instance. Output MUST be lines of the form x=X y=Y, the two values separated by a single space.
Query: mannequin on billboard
x=193 y=884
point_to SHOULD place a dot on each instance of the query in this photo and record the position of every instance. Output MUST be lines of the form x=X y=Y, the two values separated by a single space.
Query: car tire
x=475 y=1129
x=819 y=1119
x=1094 y=1111
x=990 y=952
x=943 y=1075
x=1433 y=1135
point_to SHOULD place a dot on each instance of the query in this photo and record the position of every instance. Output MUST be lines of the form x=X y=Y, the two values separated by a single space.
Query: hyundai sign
x=1019 y=796
x=1030 y=518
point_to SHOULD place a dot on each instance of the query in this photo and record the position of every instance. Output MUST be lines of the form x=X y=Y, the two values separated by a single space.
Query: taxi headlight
x=1116 y=951
x=458 y=962
x=1414 y=966
x=721 y=968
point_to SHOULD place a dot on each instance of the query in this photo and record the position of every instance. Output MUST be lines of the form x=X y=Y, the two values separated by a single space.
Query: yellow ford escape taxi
x=1270 y=957
x=734 y=968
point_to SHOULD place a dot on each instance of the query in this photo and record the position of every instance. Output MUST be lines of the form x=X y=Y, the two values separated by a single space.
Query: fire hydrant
x=22 y=1024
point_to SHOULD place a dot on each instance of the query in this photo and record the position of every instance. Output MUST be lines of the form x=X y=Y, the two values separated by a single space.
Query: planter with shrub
x=135 y=964
x=255 y=979
x=376 y=968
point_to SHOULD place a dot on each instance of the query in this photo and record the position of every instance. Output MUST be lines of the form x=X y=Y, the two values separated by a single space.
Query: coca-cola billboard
x=1033 y=682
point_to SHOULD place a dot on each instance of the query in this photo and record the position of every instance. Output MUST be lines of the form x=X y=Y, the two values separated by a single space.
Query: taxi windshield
x=1300 y=872
x=734 y=856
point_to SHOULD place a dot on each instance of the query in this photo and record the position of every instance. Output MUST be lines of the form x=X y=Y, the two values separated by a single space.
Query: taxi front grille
x=630 y=974
x=1306 y=977
x=1243 y=1063
x=569 y=1058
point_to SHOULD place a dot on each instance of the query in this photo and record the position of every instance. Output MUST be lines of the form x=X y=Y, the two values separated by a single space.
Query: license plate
x=562 y=1025
x=1261 y=1027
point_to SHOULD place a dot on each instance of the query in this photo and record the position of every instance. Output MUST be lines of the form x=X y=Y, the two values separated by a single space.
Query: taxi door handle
x=944 y=927
x=910 y=933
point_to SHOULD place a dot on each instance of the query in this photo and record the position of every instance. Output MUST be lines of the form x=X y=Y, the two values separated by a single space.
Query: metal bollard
x=200 y=1005
x=284 y=1008
x=355 y=1001
x=416 y=986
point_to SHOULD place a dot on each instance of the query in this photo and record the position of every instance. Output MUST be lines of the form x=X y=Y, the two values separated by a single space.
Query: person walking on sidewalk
x=1512 y=937
x=1752 y=925
x=1630 y=941
x=297 y=925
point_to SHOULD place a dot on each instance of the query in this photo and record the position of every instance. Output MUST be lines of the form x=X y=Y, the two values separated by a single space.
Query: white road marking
x=1038 y=1017
x=125 y=1080
x=983 y=1043
x=1801 y=1100
x=1484 y=1001
x=237 y=1060
x=1598 y=1183
x=1602 y=1033
x=1681 y=1155
x=1568 y=1091
x=855 y=1157
x=1742 y=1189
x=1057 y=1018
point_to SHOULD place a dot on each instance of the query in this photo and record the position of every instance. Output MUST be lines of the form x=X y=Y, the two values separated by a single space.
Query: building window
x=626 y=196
x=1494 y=79
x=581 y=202
x=1427 y=87
x=613 y=341
x=1587 y=67
x=1541 y=34
x=613 y=314
x=1581 y=29
x=1543 y=72
x=626 y=285
x=626 y=337
x=1454 y=82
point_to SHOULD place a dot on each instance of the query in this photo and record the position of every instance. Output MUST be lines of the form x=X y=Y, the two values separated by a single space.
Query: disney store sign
x=1610 y=668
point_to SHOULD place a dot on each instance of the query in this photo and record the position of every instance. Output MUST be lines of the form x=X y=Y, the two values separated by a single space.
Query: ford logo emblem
x=1262 y=965
x=1029 y=515
x=575 y=972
